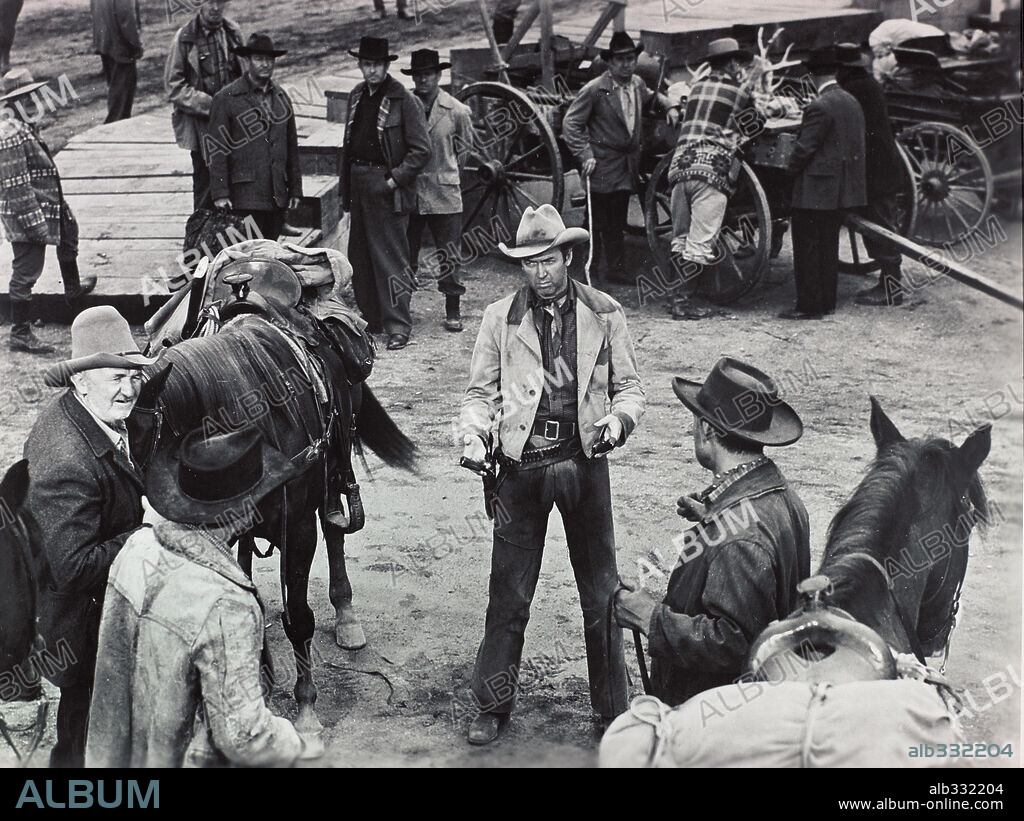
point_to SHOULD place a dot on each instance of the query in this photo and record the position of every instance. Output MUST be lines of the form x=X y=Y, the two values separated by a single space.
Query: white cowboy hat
x=19 y=81
x=540 y=230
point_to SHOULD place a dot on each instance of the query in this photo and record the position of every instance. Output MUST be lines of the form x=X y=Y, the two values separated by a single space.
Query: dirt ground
x=948 y=360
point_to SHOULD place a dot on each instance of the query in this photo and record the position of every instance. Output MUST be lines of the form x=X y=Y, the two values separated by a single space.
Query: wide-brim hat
x=259 y=44
x=851 y=54
x=374 y=48
x=540 y=230
x=425 y=59
x=214 y=478
x=742 y=400
x=621 y=43
x=822 y=58
x=100 y=338
x=17 y=82
x=727 y=47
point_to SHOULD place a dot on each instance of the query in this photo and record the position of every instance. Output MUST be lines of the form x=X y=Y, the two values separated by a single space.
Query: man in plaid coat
x=32 y=210
x=705 y=167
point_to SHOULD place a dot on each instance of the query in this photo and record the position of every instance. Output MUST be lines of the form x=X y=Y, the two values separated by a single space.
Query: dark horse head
x=897 y=550
x=20 y=553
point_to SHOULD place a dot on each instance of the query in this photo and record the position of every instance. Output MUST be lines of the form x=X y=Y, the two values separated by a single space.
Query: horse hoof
x=349 y=635
x=312 y=745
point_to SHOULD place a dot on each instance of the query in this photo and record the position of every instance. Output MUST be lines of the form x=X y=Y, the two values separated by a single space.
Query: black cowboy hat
x=741 y=400
x=373 y=48
x=211 y=478
x=259 y=44
x=822 y=59
x=621 y=43
x=850 y=54
x=425 y=59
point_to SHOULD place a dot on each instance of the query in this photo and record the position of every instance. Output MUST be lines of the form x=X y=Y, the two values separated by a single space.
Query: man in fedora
x=252 y=145
x=117 y=38
x=203 y=58
x=182 y=628
x=884 y=171
x=33 y=211
x=739 y=566
x=827 y=162
x=602 y=127
x=386 y=148
x=85 y=494
x=705 y=166
x=554 y=383
x=439 y=186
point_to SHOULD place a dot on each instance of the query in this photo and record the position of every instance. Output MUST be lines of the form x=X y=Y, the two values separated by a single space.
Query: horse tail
x=380 y=433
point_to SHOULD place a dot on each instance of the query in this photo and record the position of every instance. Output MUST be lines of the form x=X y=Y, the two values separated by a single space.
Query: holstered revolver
x=488 y=474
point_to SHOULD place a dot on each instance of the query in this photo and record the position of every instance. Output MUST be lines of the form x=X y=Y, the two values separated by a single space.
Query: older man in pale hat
x=553 y=386
x=735 y=575
x=182 y=629
x=33 y=210
x=85 y=493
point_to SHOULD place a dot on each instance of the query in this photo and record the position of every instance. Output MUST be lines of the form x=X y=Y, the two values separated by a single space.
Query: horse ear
x=154 y=384
x=882 y=427
x=14 y=486
x=974 y=450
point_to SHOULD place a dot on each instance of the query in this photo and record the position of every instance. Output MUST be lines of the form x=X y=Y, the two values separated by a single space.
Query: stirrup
x=349 y=515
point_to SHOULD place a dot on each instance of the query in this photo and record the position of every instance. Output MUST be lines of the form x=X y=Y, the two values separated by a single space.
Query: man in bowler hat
x=736 y=573
x=386 y=148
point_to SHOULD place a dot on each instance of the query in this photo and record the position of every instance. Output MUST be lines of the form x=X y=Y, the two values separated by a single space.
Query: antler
x=698 y=74
x=769 y=83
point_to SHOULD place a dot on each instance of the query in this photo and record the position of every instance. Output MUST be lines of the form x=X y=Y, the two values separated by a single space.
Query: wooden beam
x=611 y=12
x=521 y=29
x=547 y=58
x=499 y=61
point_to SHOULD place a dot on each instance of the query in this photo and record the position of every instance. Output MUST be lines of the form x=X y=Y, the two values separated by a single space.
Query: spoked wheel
x=743 y=249
x=514 y=162
x=953 y=180
x=905 y=202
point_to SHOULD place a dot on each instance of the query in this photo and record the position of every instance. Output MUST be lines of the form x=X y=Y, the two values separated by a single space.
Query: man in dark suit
x=86 y=495
x=885 y=172
x=116 y=37
x=386 y=147
x=828 y=164
x=252 y=145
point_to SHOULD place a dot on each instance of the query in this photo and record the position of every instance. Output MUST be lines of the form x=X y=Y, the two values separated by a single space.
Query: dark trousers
x=200 y=182
x=609 y=213
x=270 y=223
x=446 y=229
x=72 y=724
x=121 y=78
x=27 y=264
x=579 y=488
x=883 y=211
x=816 y=259
x=378 y=248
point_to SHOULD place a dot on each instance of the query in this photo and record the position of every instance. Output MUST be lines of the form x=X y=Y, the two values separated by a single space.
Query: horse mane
x=876 y=519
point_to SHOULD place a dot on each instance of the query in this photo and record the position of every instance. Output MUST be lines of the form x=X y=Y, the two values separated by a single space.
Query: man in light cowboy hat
x=85 y=493
x=738 y=573
x=33 y=211
x=386 y=147
x=603 y=129
x=705 y=166
x=439 y=186
x=254 y=163
x=182 y=627
x=554 y=383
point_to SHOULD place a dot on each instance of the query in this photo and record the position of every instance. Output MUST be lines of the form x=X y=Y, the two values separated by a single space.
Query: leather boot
x=452 y=315
x=22 y=339
x=74 y=287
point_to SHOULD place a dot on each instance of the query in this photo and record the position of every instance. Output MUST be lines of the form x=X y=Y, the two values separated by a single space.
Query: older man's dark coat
x=253 y=155
x=884 y=168
x=737 y=574
x=86 y=498
x=828 y=157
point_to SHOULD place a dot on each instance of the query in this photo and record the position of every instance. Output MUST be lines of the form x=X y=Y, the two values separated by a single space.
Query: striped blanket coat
x=30 y=191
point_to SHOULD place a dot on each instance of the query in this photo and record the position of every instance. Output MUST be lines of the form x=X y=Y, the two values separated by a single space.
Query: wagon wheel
x=514 y=161
x=744 y=245
x=906 y=213
x=953 y=179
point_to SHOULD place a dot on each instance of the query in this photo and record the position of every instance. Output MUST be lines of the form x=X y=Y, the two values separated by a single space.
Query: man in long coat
x=202 y=60
x=739 y=565
x=85 y=493
x=117 y=38
x=439 y=184
x=253 y=144
x=828 y=165
x=386 y=148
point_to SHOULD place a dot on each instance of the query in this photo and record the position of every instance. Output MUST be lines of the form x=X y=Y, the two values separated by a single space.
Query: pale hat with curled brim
x=739 y=399
x=100 y=338
x=540 y=230
x=19 y=82
x=727 y=47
